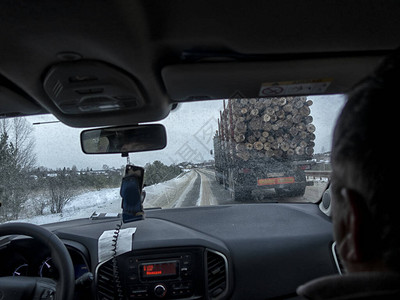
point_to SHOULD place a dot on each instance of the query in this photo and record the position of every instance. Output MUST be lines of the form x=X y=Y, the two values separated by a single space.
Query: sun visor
x=12 y=104
x=200 y=81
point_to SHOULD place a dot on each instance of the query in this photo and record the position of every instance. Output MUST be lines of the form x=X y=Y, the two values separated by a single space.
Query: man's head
x=366 y=173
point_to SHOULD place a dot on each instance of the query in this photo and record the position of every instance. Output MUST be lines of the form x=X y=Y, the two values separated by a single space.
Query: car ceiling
x=99 y=63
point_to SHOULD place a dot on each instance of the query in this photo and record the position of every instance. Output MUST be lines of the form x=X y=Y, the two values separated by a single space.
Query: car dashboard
x=27 y=257
x=247 y=251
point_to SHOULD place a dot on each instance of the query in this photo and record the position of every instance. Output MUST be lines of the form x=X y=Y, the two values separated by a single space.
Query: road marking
x=206 y=195
x=187 y=189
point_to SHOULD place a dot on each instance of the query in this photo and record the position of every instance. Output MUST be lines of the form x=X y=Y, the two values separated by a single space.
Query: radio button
x=182 y=289
x=186 y=263
x=160 y=291
x=186 y=272
x=138 y=292
x=133 y=277
x=187 y=257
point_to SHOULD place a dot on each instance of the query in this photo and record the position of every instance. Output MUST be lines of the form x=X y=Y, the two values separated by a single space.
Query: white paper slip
x=124 y=243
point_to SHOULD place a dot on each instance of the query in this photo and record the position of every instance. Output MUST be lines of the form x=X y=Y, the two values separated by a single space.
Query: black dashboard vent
x=105 y=281
x=217 y=274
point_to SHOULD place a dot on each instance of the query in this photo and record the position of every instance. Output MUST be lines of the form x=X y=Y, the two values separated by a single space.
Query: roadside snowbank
x=82 y=206
x=163 y=194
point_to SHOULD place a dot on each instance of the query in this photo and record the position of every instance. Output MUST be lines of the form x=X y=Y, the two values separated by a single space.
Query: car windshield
x=218 y=152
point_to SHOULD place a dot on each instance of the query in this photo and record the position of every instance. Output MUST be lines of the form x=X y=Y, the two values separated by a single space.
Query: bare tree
x=17 y=157
x=20 y=134
x=61 y=191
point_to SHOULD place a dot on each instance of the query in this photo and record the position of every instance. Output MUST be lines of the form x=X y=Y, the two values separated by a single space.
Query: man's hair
x=365 y=156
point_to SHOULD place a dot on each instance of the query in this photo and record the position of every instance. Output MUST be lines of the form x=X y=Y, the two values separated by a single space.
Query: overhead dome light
x=91 y=87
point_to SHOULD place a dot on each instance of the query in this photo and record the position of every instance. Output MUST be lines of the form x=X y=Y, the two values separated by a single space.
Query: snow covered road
x=191 y=189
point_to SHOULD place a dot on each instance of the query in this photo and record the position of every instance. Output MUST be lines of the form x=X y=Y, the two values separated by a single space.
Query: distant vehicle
x=264 y=144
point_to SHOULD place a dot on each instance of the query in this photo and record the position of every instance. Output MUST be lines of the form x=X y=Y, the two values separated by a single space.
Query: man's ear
x=353 y=250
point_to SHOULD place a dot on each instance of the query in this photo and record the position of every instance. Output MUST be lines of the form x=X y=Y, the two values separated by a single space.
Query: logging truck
x=264 y=144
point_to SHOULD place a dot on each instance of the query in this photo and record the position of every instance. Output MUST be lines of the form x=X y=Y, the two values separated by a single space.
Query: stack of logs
x=279 y=128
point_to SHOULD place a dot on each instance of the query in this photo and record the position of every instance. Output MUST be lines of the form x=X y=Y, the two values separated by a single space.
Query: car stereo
x=159 y=270
x=166 y=275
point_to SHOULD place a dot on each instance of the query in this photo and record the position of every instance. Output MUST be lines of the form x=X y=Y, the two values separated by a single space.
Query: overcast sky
x=189 y=136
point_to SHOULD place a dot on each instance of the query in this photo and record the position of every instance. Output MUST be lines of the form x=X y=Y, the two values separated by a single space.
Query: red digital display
x=159 y=269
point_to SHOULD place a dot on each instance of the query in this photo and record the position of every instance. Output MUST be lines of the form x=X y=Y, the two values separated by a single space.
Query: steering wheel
x=20 y=287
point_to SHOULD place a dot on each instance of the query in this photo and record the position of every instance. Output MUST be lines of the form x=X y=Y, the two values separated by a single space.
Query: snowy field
x=109 y=200
x=83 y=206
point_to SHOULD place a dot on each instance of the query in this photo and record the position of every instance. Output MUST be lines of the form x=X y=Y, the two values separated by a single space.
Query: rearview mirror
x=124 y=139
